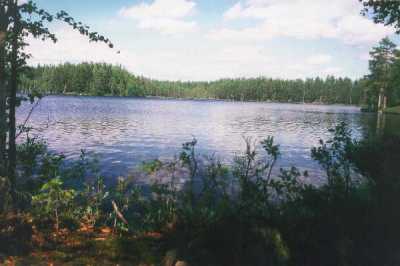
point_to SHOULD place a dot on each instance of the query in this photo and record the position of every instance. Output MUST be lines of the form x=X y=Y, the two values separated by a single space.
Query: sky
x=213 y=39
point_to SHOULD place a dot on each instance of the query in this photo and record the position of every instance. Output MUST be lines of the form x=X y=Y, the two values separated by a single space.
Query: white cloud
x=165 y=16
x=332 y=71
x=364 y=56
x=194 y=57
x=185 y=61
x=301 y=19
x=234 y=12
x=355 y=29
x=74 y=47
x=319 y=59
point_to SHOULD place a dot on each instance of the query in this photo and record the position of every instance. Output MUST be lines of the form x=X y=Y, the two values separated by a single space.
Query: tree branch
x=118 y=213
x=27 y=119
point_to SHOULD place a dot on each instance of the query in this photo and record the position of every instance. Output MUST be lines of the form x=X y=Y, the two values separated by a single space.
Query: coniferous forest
x=102 y=79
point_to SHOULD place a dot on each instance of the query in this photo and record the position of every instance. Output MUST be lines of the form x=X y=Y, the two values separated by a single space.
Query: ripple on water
x=126 y=131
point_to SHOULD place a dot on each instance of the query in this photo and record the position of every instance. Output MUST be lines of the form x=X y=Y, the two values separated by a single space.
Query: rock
x=170 y=258
x=181 y=263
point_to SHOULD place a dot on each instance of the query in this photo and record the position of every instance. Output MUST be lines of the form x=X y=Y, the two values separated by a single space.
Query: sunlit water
x=123 y=132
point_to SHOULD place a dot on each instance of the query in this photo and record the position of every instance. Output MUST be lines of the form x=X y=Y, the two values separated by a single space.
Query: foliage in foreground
x=245 y=214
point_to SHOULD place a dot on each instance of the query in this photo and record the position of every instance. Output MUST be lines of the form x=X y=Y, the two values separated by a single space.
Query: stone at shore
x=170 y=258
x=181 y=263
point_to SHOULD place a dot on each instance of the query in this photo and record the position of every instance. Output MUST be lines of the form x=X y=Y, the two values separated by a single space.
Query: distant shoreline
x=196 y=99
x=392 y=110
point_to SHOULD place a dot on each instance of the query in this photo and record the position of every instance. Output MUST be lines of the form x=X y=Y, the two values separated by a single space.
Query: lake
x=123 y=132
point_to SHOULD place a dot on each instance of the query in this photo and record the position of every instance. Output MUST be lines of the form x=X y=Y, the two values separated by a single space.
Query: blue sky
x=209 y=39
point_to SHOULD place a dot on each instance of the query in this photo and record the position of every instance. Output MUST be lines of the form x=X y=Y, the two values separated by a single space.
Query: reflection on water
x=127 y=131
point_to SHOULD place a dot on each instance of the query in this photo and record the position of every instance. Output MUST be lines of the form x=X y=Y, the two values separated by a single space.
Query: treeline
x=84 y=78
x=105 y=79
x=382 y=85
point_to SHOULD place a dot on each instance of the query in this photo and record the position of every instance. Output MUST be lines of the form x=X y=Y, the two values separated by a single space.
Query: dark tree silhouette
x=17 y=21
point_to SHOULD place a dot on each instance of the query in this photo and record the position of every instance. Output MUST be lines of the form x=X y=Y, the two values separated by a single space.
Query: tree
x=17 y=21
x=385 y=12
x=394 y=82
x=4 y=21
x=382 y=58
x=106 y=79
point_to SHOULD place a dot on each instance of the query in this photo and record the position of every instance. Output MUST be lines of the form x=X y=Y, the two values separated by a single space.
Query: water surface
x=123 y=132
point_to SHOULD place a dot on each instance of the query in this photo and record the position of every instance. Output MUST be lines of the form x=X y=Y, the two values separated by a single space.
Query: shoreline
x=392 y=110
x=200 y=99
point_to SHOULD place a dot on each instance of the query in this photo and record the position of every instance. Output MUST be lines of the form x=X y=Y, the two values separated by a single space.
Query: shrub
x=54 y=202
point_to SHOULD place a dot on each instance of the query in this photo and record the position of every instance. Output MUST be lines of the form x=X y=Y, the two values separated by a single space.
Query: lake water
x=123 y=132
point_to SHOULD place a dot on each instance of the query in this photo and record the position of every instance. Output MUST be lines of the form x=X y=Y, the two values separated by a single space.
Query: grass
x=393 y=110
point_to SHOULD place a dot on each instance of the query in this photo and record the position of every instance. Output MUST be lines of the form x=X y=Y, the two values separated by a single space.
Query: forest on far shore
x=377 y=90
x=102 y=79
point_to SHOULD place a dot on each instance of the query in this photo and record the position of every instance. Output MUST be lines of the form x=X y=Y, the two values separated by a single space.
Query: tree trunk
x=385 y=99
x=351 y=95
x=3 y=90
x=12 y=153
x=57 y=225
x=381 y=100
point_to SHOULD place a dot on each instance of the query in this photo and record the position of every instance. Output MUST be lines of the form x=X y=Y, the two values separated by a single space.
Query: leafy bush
x=28 y=153
x=245 y=214
x=54 y=202
x=151 y=166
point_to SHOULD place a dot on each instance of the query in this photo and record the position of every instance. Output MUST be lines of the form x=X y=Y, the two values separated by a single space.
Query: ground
x=86 y=246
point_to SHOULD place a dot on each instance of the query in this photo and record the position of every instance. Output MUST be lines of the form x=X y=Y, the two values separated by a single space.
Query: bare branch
x=118 y=213
x=27 y=119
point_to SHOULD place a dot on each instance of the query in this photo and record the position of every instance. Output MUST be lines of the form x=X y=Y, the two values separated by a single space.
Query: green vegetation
x=105 y=79
x=376 y=91
x=384 y=12
x=382 y=84
x=245 y=214
x=237 y=215
x=151 y=166
x=18 y=21
x=393 y=110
